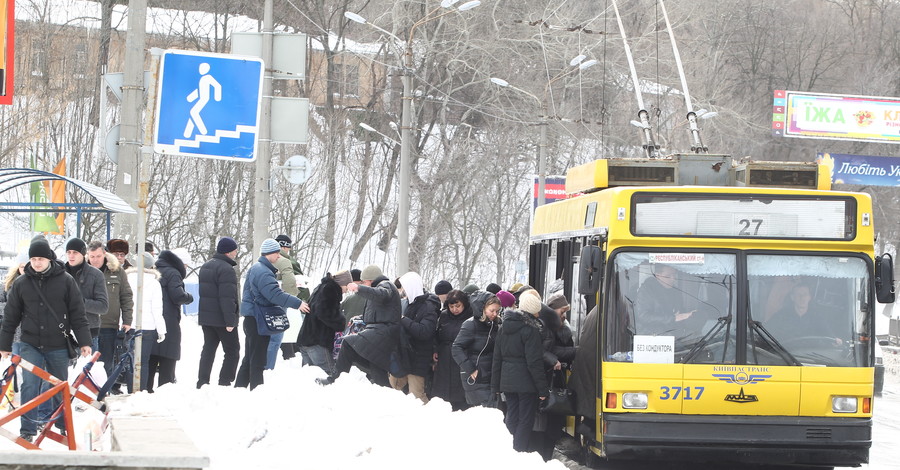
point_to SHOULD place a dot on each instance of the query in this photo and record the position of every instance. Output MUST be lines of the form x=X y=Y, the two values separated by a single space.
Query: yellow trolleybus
x=731 y=309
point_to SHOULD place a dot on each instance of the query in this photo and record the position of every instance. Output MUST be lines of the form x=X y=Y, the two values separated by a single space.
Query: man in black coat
x=325 y=318
x=371 y=349
x=40 y=300
x=218 y=313
x=92 y=284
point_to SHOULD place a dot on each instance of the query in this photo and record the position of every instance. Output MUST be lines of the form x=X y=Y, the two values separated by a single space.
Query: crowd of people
x=470 y=347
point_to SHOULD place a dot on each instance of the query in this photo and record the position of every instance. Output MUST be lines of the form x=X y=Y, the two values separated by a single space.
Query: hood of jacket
x=424 y=299
x=151 y=271
x=514 y=320
x=477 y=300
x=412 y=285
x=167 y=259
x=111 y=264
x=550 y=318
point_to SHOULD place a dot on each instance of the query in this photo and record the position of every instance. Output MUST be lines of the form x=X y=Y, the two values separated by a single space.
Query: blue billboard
x=862 y=169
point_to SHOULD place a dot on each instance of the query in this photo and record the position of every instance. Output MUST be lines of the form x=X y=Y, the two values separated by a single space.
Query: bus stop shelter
x=104 y=201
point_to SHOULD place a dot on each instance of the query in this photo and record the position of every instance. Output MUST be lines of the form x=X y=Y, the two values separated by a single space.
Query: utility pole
x=405 y=161
x=262 y=204
x=542 y=158
x=130 y=141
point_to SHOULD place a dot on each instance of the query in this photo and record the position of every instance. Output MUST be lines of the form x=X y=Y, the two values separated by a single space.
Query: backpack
x=354 y=326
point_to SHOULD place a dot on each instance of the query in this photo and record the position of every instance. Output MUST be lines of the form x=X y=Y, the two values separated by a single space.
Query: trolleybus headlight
x=634 y=401
x=843 y=404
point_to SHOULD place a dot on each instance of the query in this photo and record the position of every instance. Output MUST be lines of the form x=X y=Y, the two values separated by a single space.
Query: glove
x=161 y=338
x=190 y=298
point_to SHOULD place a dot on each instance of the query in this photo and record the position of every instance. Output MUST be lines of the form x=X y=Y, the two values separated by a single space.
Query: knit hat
x=148 y=260
x=117 y=245
x=269 y=246
x=343 y=278
x=470 y=288
x=530 y=304
x=493 y=288
x=442 y=287
x=77 y=244
x=370 y=273
x=506 y=299
x=529 y=292
x=557 y=300
x=41 y=249
x=226 y=245
x=515 y=287
x=284 y=240
x=355 y=273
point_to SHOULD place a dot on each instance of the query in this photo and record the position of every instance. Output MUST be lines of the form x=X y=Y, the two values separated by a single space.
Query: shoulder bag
x=271 y=319
x=560 y=400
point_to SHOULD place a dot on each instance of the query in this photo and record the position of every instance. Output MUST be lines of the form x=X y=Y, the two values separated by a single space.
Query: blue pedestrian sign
x=208 y=105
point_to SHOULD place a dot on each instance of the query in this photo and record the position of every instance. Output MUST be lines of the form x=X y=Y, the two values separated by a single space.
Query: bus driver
x=660 y=307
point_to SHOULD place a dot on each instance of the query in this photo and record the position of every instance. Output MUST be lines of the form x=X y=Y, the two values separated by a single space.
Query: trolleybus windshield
x=682 y=308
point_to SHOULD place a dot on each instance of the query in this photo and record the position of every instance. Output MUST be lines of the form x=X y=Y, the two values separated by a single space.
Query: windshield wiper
x=720 y=323
x=774 y=343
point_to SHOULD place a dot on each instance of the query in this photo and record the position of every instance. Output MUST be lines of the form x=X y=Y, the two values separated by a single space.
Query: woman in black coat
x=325 y=318
x=165 y=354
x=559 y=352
x=473 y=349
x=446 y=383
x=518 y=370
x=419 y=324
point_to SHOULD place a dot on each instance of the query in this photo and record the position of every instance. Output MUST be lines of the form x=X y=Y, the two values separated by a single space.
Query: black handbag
x=271 y=320
x=71 y=344
x=560 y=400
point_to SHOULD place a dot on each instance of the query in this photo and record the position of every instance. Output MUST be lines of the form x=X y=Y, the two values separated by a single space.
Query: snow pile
x=349 y=424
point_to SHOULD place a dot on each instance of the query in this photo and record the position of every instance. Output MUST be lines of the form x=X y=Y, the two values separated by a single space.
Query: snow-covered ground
x=293 y=422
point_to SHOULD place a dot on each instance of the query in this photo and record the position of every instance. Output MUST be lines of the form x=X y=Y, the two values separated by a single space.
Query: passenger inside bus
x=659 y=308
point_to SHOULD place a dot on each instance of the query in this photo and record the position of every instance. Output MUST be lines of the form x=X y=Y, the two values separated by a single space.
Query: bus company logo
x=741 y=397
x=742 y=378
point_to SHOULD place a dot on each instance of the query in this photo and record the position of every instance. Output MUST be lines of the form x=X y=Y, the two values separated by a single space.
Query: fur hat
x=370 y=273
x=77 y=244
x=269 y=246
x=506 y=299
x=530 y=304
x=343 y=278
x=354 y=274
x=41 y=249
x=557 y=300
x=284 y=241
x=117 y=245
x=226 y=245
x=442 y=287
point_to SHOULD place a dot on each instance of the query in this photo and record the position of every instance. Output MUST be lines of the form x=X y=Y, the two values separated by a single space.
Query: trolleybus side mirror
x=591 y=270
x=884 y=279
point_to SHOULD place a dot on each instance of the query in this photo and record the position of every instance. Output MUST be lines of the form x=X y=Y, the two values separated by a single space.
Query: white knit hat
x=530 y=304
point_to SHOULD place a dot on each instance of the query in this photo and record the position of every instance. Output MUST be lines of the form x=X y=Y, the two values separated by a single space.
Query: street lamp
x=576 y=64
x=406 y=61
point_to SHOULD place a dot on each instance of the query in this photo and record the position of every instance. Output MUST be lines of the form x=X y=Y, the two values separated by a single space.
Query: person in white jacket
x=152 y=325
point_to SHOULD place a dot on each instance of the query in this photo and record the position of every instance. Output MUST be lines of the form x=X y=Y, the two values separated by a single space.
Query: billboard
x=554 y=190
x=836 y=117
x=862 y=169
x=7 y=58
